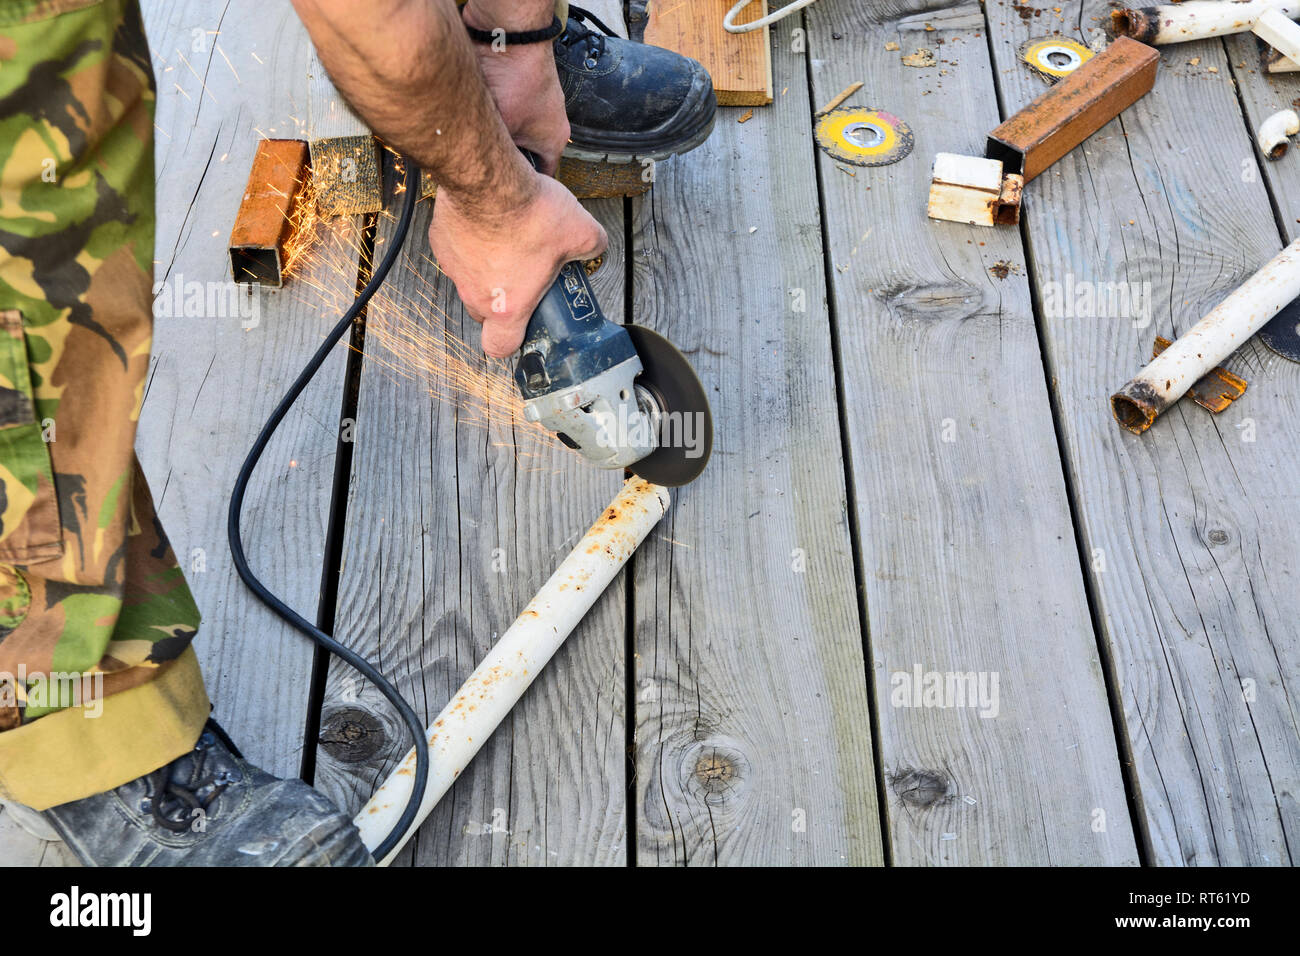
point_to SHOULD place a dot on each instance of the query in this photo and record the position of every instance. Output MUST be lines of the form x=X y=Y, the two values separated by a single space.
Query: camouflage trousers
x=98 y=682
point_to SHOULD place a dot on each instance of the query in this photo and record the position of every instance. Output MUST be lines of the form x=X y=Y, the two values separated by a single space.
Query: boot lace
x=592 y=43
x=174 y=802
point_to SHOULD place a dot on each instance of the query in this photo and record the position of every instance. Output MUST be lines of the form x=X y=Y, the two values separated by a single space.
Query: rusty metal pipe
x=266 y=213
x=1194 y=20
x=1225 y=329
x=1072 y=110
x=515 y=660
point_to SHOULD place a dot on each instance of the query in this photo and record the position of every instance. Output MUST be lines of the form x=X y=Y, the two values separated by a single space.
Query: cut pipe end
x=1134 y=409
x=1135 y=24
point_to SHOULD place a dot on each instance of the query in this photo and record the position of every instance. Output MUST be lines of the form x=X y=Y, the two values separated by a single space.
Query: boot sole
x=590 y=146
x=595 y=154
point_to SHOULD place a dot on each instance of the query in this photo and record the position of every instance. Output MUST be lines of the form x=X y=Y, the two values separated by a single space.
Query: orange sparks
x=414 y=328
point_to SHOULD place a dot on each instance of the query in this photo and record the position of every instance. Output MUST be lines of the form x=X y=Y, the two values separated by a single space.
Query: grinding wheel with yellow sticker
x=863 y=137
x=1054 y=57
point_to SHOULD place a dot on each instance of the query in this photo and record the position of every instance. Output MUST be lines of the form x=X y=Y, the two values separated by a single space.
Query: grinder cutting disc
x=863 y=137
x=1282 y=332
x=1054 y=57
x=686 y=424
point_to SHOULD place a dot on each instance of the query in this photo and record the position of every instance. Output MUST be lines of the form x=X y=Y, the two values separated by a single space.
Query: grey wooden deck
x=917 y=473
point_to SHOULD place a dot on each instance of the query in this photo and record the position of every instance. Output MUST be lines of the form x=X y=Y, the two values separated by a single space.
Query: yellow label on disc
x=863 y=137
x=1055 y=57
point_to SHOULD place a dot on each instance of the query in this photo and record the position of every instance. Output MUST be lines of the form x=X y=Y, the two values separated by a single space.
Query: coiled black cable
x=364 y=667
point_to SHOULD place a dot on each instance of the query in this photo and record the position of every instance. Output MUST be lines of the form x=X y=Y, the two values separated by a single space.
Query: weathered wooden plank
x=345 y=155
x=739 y=63
x=225 y=80
x=1192 y=567
x=752 y=723
x=457 y=516
x=968 y=559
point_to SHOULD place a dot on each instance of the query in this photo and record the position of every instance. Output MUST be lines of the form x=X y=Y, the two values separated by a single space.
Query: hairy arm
x=409 y=69
x=500 y=231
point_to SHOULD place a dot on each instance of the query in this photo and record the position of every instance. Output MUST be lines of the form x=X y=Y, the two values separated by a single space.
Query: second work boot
x=208 y=807
x=627 y=101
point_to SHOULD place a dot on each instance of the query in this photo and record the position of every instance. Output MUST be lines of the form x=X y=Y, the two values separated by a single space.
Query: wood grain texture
x=1193 y=564
x=451 y=529
x=739 y=63
x=968 y=554
x=753 y=741
x=345 y=156
x=212 y=382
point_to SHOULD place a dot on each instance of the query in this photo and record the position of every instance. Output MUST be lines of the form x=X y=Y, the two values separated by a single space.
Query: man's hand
x=524 y=85
x=502 y=264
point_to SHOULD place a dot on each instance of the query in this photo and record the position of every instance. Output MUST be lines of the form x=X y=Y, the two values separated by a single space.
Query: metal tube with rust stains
x=1225 y=329
x=266 y=213
x=1072 y=110
x=515 y=660
x=1194 y=20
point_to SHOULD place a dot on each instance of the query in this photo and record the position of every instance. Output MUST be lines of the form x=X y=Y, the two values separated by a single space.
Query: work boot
x=626 y=101
x=208 y=807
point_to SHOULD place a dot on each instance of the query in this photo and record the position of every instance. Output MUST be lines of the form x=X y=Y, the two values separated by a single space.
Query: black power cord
x=364 y=667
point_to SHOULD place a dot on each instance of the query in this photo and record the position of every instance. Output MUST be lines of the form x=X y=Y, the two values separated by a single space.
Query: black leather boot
x=626 y=101
x=208 y=807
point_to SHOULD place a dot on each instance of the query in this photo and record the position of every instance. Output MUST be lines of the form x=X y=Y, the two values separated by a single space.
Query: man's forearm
x=407 y=67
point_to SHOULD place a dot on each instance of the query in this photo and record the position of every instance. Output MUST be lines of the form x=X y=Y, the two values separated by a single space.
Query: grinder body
x=577 y=374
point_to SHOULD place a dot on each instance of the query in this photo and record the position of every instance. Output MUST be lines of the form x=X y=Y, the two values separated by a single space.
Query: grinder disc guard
x=685 y=427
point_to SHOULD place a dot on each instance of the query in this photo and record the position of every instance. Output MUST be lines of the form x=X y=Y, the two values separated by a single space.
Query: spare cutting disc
x=685 y=422
x=1055 y=57
x=1282 y=332
x=863 y=137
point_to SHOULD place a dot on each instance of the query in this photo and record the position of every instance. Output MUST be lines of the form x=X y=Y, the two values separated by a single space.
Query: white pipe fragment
x=1225 y=329
x=1195 y=19
x=1273 y=133
x=514 y=661
x=1283 y=35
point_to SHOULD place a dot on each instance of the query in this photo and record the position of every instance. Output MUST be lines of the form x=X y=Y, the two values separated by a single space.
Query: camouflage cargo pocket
x=29 y=508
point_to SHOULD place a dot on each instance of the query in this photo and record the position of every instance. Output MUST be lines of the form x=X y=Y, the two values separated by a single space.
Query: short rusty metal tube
x=516 y=659
x=1223 y=330
x=266 y=213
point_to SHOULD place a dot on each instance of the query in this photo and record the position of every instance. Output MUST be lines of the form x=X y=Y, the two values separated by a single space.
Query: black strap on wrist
x=526 y=36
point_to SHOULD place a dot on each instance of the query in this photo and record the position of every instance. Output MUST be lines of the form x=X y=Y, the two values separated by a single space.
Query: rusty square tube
x=265 y=219
x=1075 y=108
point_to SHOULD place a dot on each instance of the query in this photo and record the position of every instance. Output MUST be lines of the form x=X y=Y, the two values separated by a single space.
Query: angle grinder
x=620 y=395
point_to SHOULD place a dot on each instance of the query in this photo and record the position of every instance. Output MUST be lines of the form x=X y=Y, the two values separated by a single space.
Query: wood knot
x=934 y=301
x=718 y=774
x=921 y=788
x=1217 y=536
x=352 y=735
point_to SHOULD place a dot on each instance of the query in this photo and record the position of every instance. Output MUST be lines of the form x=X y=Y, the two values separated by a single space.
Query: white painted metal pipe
x=1283 y=35
x=1195 y=19
x=1274 y=132
x=1225 y=329
x=515 y=660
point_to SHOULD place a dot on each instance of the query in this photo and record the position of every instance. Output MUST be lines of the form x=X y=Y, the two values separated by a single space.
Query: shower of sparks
x=196 y=76
x=410 y=332
x=238 y=82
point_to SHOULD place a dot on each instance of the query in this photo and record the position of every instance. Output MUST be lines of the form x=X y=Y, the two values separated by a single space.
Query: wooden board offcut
x=740 y=63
